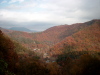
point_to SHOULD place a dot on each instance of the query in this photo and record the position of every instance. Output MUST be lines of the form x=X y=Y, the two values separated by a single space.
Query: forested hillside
x=14 y=62
x=86 y=39
x=60 y=50
x=71 y=63
x=43 y=42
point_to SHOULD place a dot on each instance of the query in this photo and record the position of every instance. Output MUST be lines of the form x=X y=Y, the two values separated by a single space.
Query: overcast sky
x=42 y=14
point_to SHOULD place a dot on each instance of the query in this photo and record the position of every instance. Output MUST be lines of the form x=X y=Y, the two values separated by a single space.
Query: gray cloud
x=90 y=9
x=39 y=15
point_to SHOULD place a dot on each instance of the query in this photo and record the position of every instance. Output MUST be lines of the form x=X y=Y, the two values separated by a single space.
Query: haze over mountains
x=22 y=29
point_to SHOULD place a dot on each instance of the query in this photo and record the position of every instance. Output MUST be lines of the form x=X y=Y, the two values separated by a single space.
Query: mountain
x=19 y=63
x=60 y=50
x=6 y=31
x=58 y=39
x=20 y=29
x=86 y=39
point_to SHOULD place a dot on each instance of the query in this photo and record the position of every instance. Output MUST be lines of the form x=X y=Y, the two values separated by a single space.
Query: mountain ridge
x=50 y=41
x=76 y=39
x=20 y=29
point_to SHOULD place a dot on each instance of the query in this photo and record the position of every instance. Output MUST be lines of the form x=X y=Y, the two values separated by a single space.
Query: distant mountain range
x=22 y=29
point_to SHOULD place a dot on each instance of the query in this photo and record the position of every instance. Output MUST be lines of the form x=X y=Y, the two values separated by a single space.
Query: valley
x=59 y=50
x=51 y=42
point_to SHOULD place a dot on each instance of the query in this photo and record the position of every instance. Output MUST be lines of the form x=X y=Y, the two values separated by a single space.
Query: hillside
x=11 y=63
x=54 y=40
x=86 y=39
x=6 y=31
x=60 y=50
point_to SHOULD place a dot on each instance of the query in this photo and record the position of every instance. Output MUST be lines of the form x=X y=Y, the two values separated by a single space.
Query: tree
x=7 y=52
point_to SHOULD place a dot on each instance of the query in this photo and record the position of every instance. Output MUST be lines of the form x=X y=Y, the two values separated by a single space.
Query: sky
x=42 y=14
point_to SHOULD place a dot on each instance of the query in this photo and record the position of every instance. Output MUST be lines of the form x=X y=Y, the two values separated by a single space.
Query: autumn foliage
x=86 y=39
x=59 y=50
x=7 y=52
